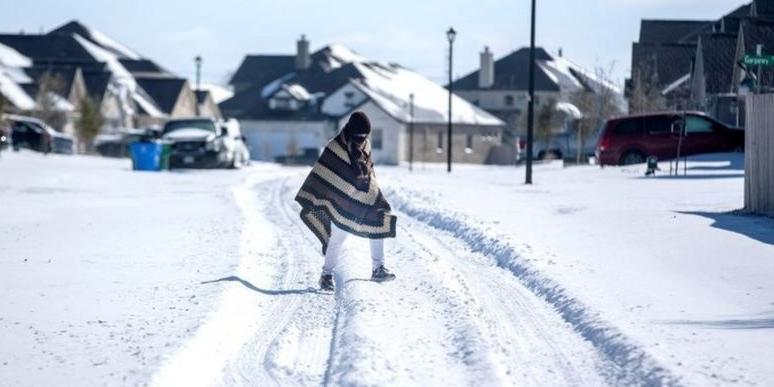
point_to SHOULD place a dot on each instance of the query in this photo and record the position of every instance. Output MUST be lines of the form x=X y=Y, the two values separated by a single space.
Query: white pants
x=335 y=243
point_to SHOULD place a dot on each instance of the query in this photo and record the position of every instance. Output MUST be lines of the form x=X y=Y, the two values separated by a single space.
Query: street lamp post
x=531 y=103
x=198 y=61
x=411 y=132
x=450 y=34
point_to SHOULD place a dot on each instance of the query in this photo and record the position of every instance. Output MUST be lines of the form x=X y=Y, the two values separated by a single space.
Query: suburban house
x=206 y=104
x=293 y=104
x=695 y=64
x=173 y=97
x=501 y=87
x=132 y=91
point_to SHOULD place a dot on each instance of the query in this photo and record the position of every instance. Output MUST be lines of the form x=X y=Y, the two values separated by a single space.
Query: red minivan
x=632 y=139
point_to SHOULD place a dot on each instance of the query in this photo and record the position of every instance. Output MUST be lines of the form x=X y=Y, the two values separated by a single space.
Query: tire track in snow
x=635 y=366
x=267 y=328
x=532 y=342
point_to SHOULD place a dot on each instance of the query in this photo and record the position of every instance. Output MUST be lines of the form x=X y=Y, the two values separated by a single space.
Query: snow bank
x=607 y=339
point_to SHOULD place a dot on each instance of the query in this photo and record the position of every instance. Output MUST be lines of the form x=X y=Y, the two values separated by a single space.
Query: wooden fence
x=759 y=154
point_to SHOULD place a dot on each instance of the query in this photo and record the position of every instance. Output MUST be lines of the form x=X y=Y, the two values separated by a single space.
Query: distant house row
x=53 y=72
x=696 y=64
x=292 y=104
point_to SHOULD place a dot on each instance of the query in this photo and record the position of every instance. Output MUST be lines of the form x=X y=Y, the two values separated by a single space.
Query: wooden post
x=759 y=154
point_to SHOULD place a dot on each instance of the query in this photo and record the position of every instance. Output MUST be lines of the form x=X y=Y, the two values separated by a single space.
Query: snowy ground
x=588 y=277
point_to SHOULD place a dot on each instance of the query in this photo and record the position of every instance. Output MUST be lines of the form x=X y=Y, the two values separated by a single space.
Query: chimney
x=303 y=60
x=486 y=73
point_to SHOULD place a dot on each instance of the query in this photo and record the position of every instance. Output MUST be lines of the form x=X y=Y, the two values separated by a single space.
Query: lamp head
x=451 y=34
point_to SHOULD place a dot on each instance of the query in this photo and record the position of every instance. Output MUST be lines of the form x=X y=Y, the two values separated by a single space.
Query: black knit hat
x=358 y=125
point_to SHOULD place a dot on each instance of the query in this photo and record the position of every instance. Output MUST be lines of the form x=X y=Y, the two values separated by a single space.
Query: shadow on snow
x=269 y=292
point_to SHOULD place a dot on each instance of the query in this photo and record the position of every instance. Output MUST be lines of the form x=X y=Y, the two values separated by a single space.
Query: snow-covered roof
x=124 y=82
x=14 y=93
x=390 y=86
x=338 y=55
x=569 y=109
x=12 y=58
x=677 y=83
x=76 y=28
x=219 y=93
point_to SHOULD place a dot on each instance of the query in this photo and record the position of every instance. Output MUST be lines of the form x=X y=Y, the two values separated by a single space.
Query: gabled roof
x=202 y=96
x=64 y=74
x=47 y=48
x=668 y=62
x=96 y=37
x=262 y=69
x=511 y=73
x=249 y=104
x=718 y=51
x=164 y=91
x=741 y=11
x=764 y=8
x=672 y=31
x=97 y=83
x=143 y=66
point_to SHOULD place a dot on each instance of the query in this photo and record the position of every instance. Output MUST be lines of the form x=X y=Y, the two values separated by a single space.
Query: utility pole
x=198 y=61
x=411 y=132
x=531 y=103
x=450 y=34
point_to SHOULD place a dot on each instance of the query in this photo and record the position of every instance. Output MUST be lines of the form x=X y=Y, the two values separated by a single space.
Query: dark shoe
x=381 y=274
x=326 y=282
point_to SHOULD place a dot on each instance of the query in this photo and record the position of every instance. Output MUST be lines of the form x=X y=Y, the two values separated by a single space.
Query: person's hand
x=362 y=182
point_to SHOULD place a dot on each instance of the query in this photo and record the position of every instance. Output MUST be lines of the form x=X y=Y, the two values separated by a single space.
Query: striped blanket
x=330 y=194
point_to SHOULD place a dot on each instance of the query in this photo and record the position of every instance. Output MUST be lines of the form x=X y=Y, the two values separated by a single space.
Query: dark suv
x=205 y=143
x=34 y=134
x=632 y=139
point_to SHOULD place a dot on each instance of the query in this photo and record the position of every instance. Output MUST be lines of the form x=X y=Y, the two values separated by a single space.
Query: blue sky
x=593 y=33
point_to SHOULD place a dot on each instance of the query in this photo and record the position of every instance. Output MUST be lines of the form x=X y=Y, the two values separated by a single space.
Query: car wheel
x=632 y=157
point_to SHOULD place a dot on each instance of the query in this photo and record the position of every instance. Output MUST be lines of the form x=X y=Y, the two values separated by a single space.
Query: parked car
x=117 y=144
x=34 y=134
x=559 y=146
x=205 y=143
x=632 y=139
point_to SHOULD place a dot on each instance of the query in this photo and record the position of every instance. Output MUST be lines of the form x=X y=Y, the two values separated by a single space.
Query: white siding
x=393 y=143
x=269 y=139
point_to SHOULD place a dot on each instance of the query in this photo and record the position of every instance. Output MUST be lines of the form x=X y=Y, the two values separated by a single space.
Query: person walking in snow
x=341 y=197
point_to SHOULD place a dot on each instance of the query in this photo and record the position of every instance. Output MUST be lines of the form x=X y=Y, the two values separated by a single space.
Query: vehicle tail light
x=604 y=140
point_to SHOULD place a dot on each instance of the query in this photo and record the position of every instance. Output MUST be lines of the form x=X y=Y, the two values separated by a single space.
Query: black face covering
x=356 y=149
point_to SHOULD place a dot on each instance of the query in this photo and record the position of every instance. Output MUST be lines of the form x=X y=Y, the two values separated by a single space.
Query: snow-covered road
x=452 y=317
x=112 y=277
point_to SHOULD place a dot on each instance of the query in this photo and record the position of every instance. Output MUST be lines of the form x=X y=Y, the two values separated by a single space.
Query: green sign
x=759 y=60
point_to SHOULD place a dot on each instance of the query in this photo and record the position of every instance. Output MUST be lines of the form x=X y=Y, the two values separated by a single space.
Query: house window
x=377 y=137
x=439 y=147
x=468 y=143
x=508 y=100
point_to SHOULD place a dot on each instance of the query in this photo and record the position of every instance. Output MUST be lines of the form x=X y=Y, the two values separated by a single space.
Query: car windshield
x=171 y=126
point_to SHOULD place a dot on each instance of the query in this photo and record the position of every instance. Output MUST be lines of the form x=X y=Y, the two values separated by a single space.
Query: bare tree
x=645 y=94
x=596 y=106
x=89 y=123
x=544 y=123
x=50 y=88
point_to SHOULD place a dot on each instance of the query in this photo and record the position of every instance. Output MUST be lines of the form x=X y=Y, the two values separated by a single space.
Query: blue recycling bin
x=147 y=155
